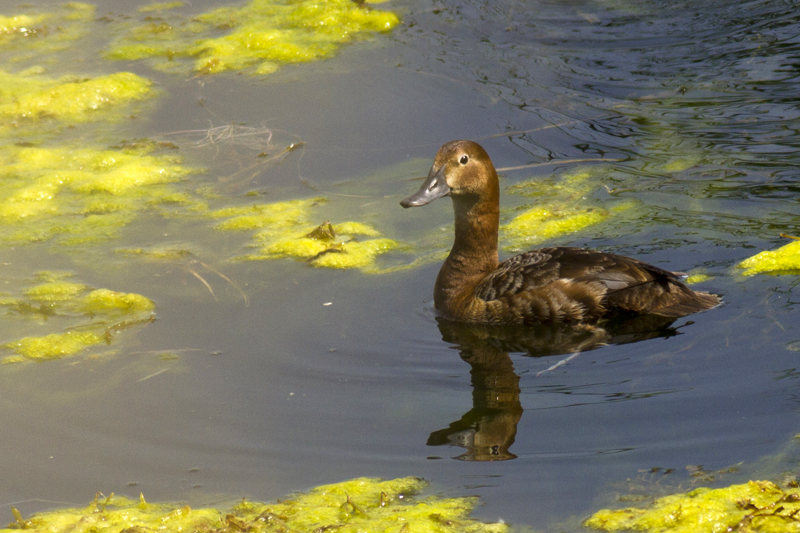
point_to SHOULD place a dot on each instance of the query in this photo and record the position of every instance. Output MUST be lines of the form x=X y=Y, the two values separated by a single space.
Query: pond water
x=288 y=376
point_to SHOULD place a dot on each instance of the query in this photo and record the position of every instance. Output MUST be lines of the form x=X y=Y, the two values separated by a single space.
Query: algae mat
x=362 y=504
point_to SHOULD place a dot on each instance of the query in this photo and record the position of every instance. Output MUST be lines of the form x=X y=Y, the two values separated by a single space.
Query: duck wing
x=576 y=283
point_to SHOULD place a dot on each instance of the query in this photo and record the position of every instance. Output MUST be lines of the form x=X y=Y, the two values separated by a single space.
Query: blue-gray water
x=287 y=392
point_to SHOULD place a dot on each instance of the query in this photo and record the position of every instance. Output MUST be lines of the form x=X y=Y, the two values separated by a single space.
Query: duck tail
x=690 y=302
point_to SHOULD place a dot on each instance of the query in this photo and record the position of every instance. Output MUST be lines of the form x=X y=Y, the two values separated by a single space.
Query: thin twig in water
x=787 y=236
x=198 y=276
x=560 y=162
x=154 y=374
x=220 y=274
x=562 y=362
x=520 y=132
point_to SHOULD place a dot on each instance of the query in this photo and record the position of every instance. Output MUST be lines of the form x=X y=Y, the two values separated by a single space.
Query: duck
x=543 y=286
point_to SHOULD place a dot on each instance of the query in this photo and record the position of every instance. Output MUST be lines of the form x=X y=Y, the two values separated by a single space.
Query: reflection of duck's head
x=549 y=285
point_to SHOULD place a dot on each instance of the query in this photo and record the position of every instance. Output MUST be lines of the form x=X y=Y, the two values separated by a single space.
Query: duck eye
x=463 y=160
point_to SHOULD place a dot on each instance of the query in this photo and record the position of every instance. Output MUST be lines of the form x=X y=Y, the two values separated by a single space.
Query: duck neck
x=474 y=252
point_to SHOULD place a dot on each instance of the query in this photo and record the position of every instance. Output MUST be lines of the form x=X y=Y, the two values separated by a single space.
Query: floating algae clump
x=54 y=346
x=81 y=195
x=561 y=208
x=57 y=300
x=354 y=254
x=753 y=506
x=329 y=246
x=358 y=505
x=112 y=303
x=260 y=36
x=784 y=260
x=31 y=36
x=541 y=223
x=20 y=25
x=284 y=231
x=56 y=291
x=276 y=217
x=27 y=99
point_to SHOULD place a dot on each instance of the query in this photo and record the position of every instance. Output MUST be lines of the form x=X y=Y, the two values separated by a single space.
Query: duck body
x=547 y=285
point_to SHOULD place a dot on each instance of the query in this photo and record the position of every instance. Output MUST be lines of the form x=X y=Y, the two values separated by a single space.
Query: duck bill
x=433 y=188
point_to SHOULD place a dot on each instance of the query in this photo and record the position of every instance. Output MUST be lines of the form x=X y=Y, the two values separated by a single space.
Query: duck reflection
x=487 y=431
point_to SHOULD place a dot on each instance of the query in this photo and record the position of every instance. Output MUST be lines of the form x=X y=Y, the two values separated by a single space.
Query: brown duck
x=548 y=285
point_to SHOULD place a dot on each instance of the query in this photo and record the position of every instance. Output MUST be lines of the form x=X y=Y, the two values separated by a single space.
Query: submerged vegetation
x=362 y=504
x=561 y=208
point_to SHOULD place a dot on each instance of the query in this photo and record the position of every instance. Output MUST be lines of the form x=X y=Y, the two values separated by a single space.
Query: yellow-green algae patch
x=31 y=102
x=284 y=231
x=111 y=303
x=697 y=277
x=80 y=194
x=21 y=24
x=542 y=223
x=163 y=6
x=561 y=208
x=754 y=506
x=355 y=254
x=277 y=216
x=56 y=291
x=259 y=36
x=54 y=346
x=784 y=260
x=93 y=316
x=31 y=35
x=337 y=246
x=68 y=98
x=356 y=506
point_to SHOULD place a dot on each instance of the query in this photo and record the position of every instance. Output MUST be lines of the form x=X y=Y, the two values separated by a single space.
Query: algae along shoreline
x=354 y=506
x=398 y=506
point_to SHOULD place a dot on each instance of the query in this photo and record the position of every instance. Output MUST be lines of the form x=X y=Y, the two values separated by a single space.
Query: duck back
x=576 y=284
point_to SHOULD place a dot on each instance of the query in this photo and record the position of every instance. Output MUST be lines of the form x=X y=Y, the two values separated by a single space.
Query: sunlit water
x=327 y=375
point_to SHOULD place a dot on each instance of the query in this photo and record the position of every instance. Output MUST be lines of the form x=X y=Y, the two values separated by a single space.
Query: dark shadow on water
x=487 y=431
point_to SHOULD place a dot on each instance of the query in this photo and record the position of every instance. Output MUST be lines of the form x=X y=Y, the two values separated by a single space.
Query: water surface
x=327 y=375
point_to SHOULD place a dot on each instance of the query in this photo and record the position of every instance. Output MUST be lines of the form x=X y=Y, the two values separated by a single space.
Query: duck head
x=461 y=169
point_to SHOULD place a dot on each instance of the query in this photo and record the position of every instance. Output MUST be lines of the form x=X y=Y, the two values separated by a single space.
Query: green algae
x=93 y=315
x=784 y=260
x=32 y=36
x=284 y=231
x=753 y=506
x=354 y=506
x=57 y=291
x=562 y=208
x=276 y=216
x=80 y=195
x=257 y=37
x=697 y=277
x=20 y=25
x=337 y=249
x=539 y=224
x=35 y=106
x=111 y=303
x=30 y=97
x=163 y=6
x=54 y=345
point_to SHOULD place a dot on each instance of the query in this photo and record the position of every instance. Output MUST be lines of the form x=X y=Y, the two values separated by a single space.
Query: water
x=697 y=101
